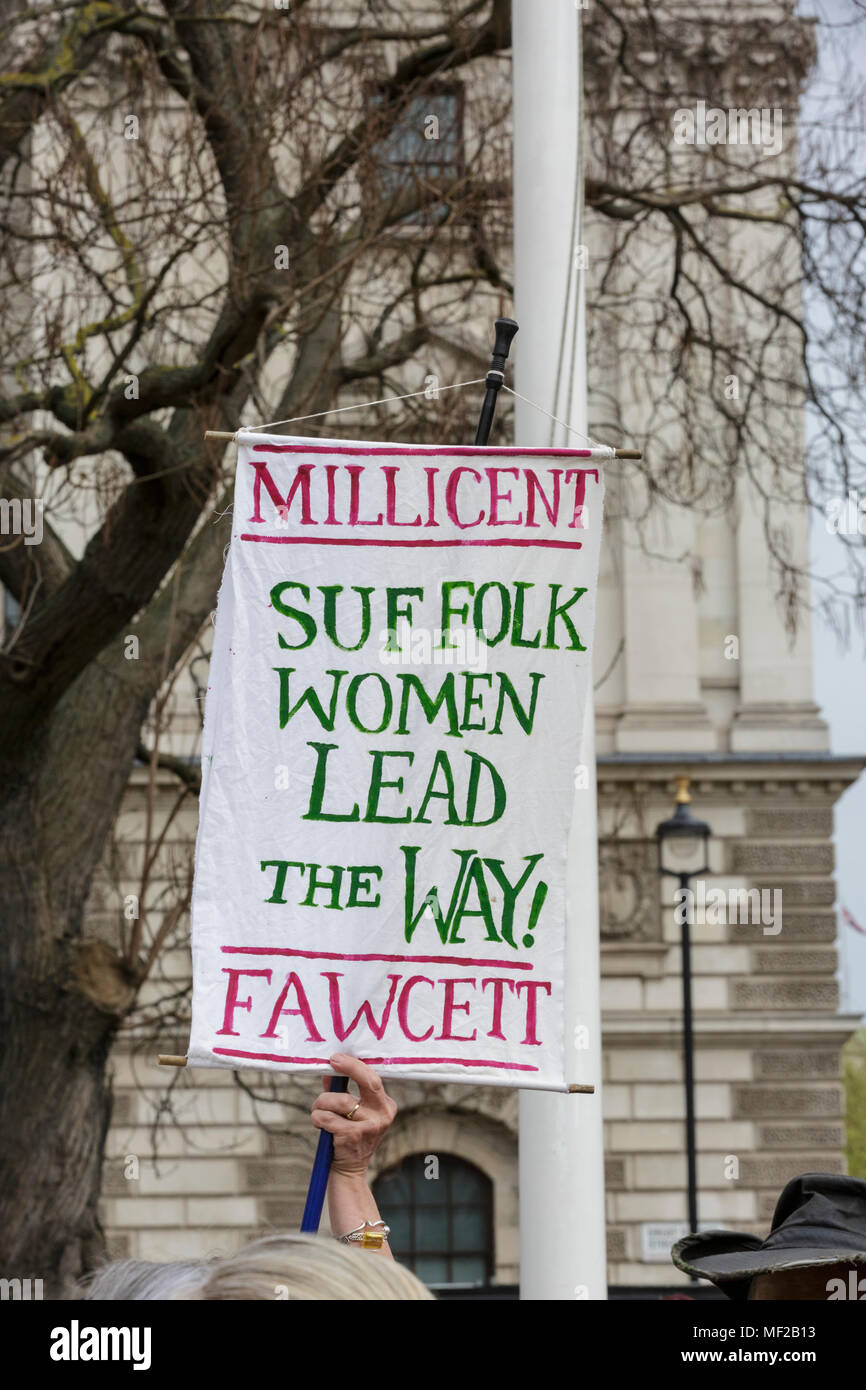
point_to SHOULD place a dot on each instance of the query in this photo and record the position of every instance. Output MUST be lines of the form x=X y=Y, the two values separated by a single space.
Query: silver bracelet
x=370 y=1236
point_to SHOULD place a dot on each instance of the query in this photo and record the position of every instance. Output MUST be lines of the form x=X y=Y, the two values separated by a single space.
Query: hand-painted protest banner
x=394 y=718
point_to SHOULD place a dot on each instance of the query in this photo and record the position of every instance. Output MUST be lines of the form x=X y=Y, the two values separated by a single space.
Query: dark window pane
x=432 y=1269
x=395 y=1186
x=399 y=1222
x=430 y=1192
x=424 y=146
x=469 y=1229
x=467 y=1184
x=431 y=1230
x=440 y=1227
x=468 y=1269
x=427 y=134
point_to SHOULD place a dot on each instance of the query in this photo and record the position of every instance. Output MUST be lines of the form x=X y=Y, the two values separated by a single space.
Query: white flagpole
x=562 y=1218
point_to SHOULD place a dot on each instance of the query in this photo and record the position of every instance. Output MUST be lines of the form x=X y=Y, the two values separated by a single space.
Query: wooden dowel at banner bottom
x=167 y=1061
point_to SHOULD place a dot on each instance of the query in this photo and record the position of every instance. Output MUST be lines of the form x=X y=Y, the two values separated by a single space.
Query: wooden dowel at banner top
x=321 y=1170
x=484 y=423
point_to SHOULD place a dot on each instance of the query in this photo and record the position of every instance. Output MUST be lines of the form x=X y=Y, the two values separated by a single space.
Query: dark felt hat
x=820 y=1219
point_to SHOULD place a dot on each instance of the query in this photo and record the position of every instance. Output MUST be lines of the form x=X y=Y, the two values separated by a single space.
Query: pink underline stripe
x=375 y=1061
x=339 y=955
x=459 y=451
x=427 y=544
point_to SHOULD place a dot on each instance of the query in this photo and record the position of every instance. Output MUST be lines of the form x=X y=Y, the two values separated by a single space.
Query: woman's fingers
x=340 y=1102
x=373 y=1094
x=334 y=1123
x=355 y=1139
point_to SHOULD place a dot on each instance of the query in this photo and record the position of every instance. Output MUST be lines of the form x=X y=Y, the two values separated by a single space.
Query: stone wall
x=769 y=1098
x=226 y=1161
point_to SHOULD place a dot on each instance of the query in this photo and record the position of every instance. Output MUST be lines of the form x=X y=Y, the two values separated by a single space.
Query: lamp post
x=682 y=848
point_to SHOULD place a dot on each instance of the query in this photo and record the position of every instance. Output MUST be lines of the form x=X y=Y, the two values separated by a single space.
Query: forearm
x=350 y=1204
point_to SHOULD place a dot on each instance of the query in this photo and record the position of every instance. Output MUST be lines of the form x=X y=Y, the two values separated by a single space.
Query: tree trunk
x=63 y=991
x=61 y=994
x=55 y=1106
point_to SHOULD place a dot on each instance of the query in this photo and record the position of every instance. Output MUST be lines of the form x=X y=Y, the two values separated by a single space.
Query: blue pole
x=321 y=1169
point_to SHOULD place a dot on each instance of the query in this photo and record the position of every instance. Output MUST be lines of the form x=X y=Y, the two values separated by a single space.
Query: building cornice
x=660 y=768
x=836 y=770
x=642 y=1030
x=680 y=46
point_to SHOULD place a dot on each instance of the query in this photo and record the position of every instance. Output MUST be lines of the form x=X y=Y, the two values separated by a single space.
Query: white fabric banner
x=397 y=693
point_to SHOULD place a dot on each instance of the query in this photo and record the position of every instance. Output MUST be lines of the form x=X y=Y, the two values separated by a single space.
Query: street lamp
x=683 y=842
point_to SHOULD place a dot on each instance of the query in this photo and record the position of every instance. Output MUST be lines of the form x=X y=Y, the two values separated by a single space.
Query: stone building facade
x=198 y=1162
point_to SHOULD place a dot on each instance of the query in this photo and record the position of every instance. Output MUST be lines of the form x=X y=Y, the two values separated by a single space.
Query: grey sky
x=840 y=668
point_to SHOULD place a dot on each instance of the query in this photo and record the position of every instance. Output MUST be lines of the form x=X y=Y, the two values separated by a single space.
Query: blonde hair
x=141 y=1281
x=305 y=1268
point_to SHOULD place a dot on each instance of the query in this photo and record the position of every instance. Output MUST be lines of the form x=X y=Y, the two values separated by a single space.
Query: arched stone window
x=440 y=1211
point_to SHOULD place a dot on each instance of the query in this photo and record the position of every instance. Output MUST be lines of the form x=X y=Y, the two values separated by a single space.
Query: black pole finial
x=505 y=331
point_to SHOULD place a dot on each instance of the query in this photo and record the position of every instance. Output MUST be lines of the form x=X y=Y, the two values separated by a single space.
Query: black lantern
x=683 y=839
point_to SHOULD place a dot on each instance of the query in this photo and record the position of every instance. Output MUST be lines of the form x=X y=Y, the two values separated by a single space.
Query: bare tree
x=209 y=210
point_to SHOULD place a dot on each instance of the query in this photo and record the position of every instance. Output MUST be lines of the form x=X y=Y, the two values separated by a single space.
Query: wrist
x=349 y=1178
